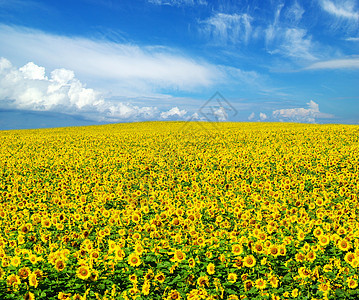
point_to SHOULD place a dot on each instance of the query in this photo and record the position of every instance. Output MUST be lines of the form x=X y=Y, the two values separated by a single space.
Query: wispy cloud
x=301 y=114
x=292 y=42
x=341 y=9
x=178 y=2
x=294 y=13
x=352 y=39
x=349 y=63
x=147 y=68
x=225 y=29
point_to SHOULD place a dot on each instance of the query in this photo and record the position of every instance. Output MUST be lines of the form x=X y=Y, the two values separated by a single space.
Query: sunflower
x=352 y=283
x=13 y=280
x=134 y=260
x=119 y=254
x=179 y=256
x=324 y=240
x=60 y=265
x=160 y=277
x=343 y=245
x=232 y=277
x=273 y=250
x=174 y=294
x=317 y=232
x=210 y=268
x=324 y=287
x=29 y=296
x=261 y=284
x=133 y=278
x=274 y=282
x=248 y=284
x=139 y=249
x=15 y=261
x=202 y=281
x=258 y=247
x=303 y=272
x=24 y=272
x=349 y=257
x=249 y=261
x=146 y=288
x=311 y=256
x=237 y=249
x=191 y=262
x=83 y=272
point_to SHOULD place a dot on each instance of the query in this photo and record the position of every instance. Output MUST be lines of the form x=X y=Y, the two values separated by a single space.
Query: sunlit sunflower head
x=60 y=265
x=23 y=272
x=232 y=277
x=15 y=261
x=352 y=283
x=273 y=250
x=249 y=261
x=179 y=256
x=13 y=280
x=83 y=272
x=210 y=268
x=160 y=277
x=343 y=245
x=261 y=284
x=134 y=260
x=237 y=249
x=202 y=281
x=191 y=262
x=317 y=232
x=29 y=296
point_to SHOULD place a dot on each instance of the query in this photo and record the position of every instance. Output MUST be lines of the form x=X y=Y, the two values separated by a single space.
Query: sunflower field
x=174 y=210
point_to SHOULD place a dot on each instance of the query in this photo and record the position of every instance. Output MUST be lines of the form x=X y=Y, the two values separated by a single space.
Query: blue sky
x=84 y=62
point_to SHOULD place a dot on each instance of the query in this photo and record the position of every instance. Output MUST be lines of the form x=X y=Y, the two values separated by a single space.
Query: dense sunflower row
x=180 y=211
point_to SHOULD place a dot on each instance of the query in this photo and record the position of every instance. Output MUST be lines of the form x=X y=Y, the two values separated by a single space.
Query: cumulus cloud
x=28 y=88
x=262 y=116
x=309 y=114
x=251 y=116
x=220 y=114
x=227 y=28
x=173 y=112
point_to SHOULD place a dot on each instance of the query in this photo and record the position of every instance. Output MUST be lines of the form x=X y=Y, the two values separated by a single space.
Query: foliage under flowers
x=180 y=211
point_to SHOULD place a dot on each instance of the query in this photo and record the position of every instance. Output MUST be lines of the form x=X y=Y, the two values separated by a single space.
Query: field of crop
x=171 y=210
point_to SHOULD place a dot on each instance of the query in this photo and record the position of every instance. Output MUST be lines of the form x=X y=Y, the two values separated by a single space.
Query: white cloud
x=142 y=70
x=292 y=42
x=341 y=9
x=309 y=114
x=262 y=116
x=220 y=114
x=352 y=39
x=178 y=2
x=251 y=116
x=29 y=88
x=224 y=28
x=349 y=63
x=173 y=112
x=294 y=13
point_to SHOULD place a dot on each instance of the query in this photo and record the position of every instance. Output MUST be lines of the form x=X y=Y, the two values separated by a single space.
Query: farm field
x=174 y=210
